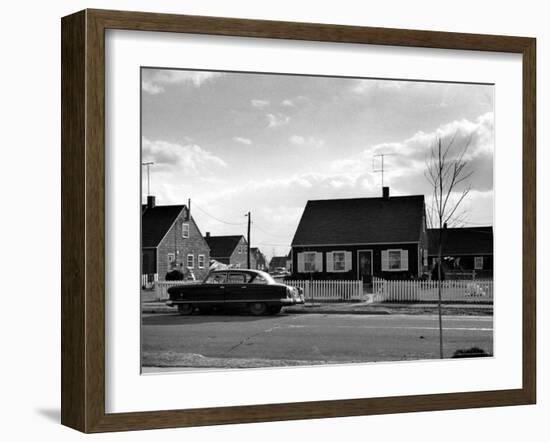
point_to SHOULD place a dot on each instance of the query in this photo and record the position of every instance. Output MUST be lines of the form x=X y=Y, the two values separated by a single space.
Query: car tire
x=257 y=308
x=275 y=310
x=185 y=309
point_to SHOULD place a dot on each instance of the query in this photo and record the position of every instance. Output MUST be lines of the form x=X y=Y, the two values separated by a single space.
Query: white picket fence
x=314 y=291
x=146 y=284
x=332 y=290
x=479 y=291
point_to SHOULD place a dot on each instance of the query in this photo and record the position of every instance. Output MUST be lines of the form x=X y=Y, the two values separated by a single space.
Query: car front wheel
x=257 y=308
x=185 y=309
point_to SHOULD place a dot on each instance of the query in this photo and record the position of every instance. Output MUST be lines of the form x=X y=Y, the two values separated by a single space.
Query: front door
x=364 y=265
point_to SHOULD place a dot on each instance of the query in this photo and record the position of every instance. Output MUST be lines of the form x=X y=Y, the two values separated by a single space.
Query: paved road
x=224 y=341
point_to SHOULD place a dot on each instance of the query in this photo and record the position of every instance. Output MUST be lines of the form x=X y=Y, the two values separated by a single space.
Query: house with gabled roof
x=258 y=260
x=466 y=250
x=231 y=250
x=359 y=238
x=171 y=240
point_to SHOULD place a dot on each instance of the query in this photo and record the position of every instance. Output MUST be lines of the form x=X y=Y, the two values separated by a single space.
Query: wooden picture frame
x=83 y=220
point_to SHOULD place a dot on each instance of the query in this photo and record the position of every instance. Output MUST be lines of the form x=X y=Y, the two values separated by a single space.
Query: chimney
x=208 y=234
x=386 y=193
x=150 y=201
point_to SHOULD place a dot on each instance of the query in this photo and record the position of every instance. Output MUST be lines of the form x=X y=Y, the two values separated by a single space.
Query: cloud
x=275 y=120
x=260 y=104
x=299 y=140
x=188 y=158
x=404 y=169
x=155 y=80
x=291 y=102
x=242 y=140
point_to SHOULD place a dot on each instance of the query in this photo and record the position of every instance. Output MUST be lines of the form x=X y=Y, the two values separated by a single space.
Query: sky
x=268 y=143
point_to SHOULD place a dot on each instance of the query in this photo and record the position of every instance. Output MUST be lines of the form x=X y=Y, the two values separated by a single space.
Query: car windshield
x=263 y=278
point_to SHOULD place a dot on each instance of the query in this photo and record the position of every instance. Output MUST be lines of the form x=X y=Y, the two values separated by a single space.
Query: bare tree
x=448 y=175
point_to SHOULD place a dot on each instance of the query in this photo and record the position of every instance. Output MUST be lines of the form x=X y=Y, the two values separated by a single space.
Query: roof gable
x=462 y=241
x=361 y=221
x=223 y=246
x=155 y=223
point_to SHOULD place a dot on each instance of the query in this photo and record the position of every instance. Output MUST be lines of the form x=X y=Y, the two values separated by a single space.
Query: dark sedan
x=254 y=290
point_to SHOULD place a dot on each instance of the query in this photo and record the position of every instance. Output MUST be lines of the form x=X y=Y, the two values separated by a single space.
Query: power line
x=266 y=232
x=217 y=219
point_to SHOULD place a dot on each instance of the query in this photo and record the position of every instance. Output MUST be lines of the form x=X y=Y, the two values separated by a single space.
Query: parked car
x=254 y=290
x=280 y=272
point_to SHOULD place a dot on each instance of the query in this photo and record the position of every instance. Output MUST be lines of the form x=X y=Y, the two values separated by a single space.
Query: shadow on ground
x=176 y=319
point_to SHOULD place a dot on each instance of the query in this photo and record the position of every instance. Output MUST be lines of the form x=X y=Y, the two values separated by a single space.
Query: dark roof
x=222 y=246
x=361 y=221
x=278 y=261
x=462 y=241
x=156 y=221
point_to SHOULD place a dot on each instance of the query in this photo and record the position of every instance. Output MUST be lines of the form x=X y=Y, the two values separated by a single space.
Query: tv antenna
x=381 y=170
x=148 y=164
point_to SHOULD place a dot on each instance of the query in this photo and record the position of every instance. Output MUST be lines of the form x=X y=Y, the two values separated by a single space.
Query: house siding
x=239 y=259
x=413 y=258
x=173 y=242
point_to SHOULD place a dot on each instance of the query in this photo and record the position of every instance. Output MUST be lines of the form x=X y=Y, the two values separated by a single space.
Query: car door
x=212 y=291
x=236 y=288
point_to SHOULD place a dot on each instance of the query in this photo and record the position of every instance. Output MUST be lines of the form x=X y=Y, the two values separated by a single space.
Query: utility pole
x=248 y=243
x=148 y=164
x=381 y=170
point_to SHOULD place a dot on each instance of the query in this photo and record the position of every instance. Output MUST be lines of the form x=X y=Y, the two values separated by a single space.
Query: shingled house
x=360 y=238
x=465 y=250
x=171 y=240
x=229 y=249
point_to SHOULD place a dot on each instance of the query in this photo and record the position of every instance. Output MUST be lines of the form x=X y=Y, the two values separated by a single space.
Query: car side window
x=238 y=278
x=216 y=278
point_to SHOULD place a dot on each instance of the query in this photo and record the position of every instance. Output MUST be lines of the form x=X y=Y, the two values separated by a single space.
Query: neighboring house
x=278 y=262
x=230 y=250
x=362 y=237
x=257 y=259
x=171 y=240
x=464 y=250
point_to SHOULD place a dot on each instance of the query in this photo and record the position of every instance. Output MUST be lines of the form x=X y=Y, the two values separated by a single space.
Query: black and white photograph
x=303 y=220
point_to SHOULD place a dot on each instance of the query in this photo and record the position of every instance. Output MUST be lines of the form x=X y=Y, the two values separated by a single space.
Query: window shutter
x=301 y=266
x=404 y=260
x=347 y=262
x=385 y=261
x=330 y=262
x=318 y=262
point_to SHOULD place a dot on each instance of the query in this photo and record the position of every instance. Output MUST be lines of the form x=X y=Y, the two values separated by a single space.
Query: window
x=478 y=263
x=309 y=261
x=339 y=261
x=190 y=261
x=201 y=262
x=239 y=278
x=185 y=230
x=216 y=278
x=394 y=259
